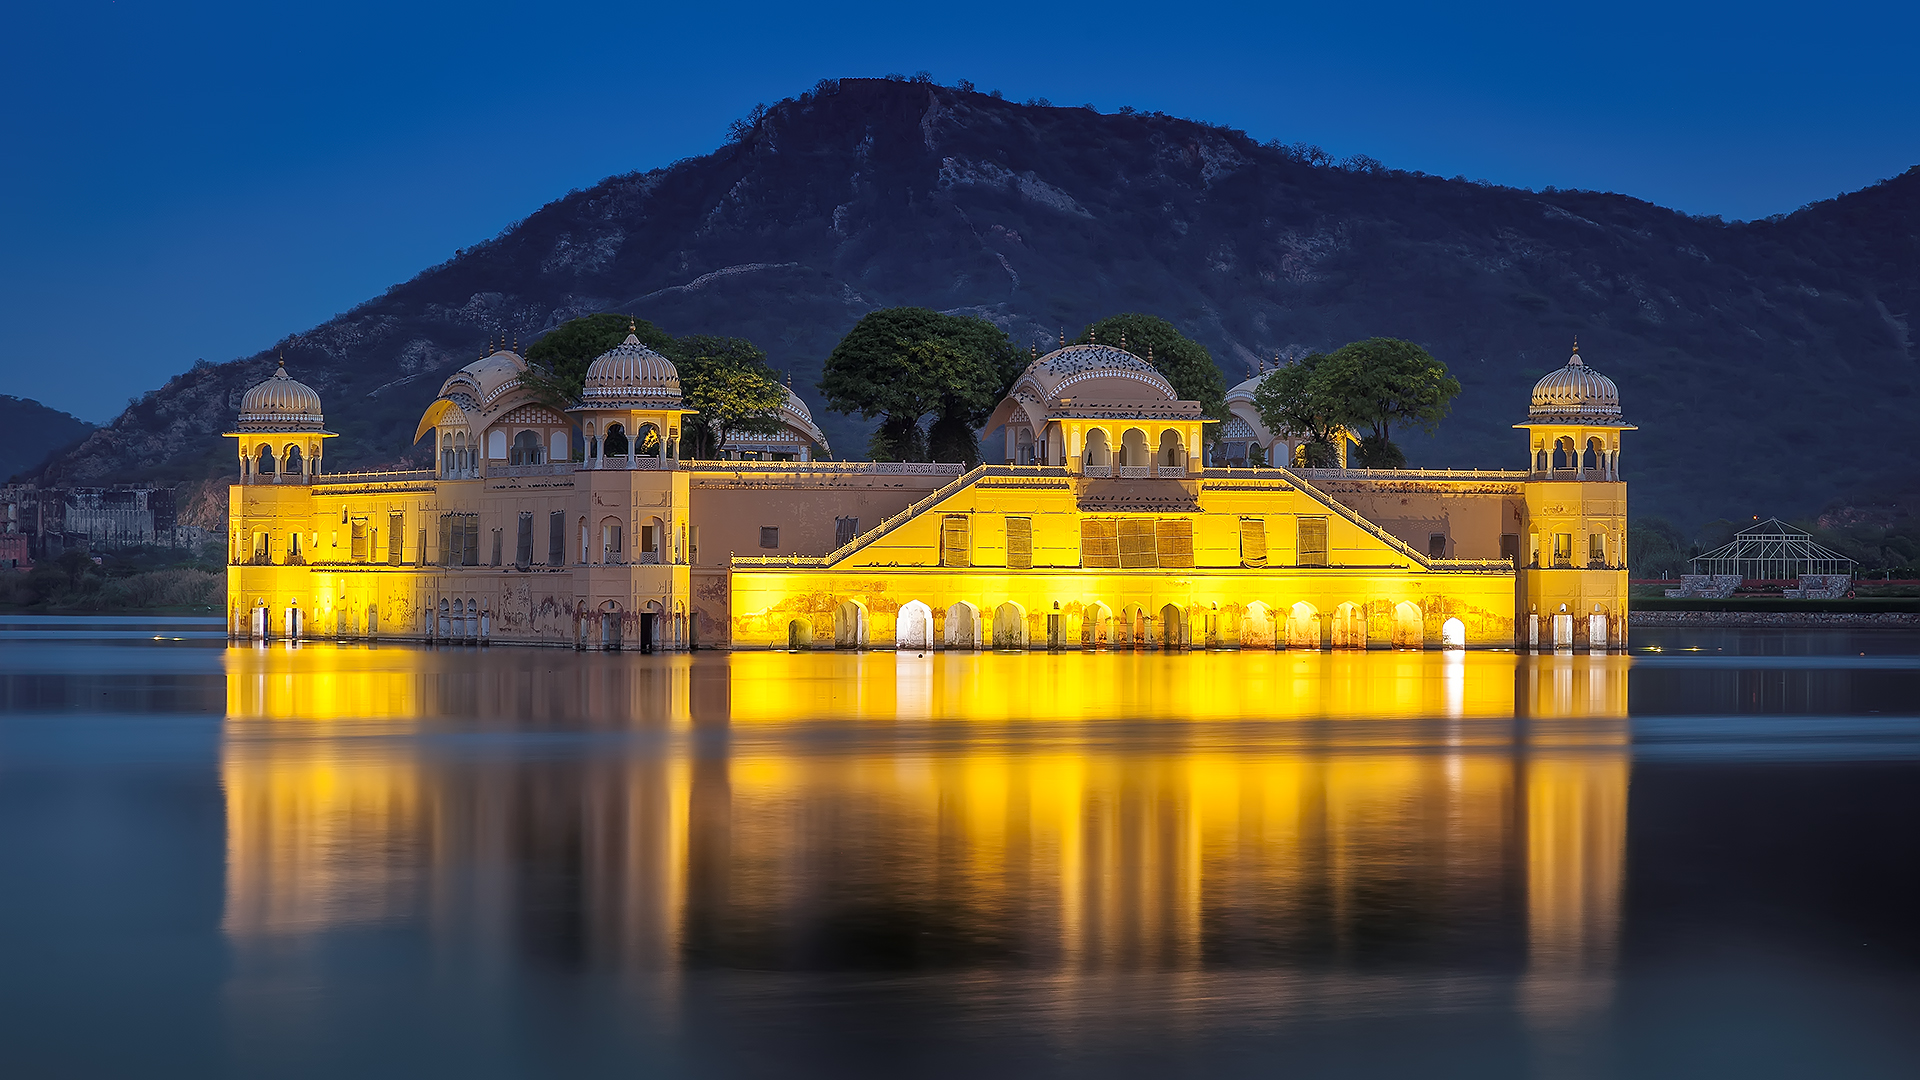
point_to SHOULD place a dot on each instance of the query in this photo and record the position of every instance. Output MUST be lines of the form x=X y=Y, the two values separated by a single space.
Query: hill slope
x=1741 y=350
x=30 y=433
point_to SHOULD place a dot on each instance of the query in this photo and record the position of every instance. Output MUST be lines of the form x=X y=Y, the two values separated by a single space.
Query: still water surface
x=334 y=860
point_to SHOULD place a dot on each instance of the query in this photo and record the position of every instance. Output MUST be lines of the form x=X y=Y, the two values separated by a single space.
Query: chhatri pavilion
x=1105 y=527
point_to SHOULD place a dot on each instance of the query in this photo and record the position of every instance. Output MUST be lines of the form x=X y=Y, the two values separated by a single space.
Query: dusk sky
x=190 y=181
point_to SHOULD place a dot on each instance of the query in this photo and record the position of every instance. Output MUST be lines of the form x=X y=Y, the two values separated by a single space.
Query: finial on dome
x=1574 y=360
x=789 y=378
x=1093 y=335
x=1033 y=351
x=1063 y=337
x=1149 y=352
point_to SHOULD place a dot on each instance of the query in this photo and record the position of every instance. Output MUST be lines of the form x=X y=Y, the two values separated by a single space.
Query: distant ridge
x=1769 y=364
x=30 y=433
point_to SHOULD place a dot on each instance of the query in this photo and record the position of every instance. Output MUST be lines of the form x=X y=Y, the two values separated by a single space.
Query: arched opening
x=1099 y=455
x=1597 y=629
x=295 y=623
x=913 y=628
x=1256 y=627
x=526 y=449
x=850 y=625
x=612 y=621
x=1130 y=629
x=1303 y=626
x=1009 y=626
x=263 y=462
x=963 y=626
x=653 y=541
x=1173 y=452
x=610 y=540
x=649 y=444
x=616 y=442
x=444 y=628
x=559 y=448
x=1133 y=448
x=261 y=630
x=496 y=445
x=1453 y=634
x=1096 y=626
x=1564 y=454
x=1349 y=627
x=1023 y=446
x=1173 y=627
x=293 y=460
x=1409 y=627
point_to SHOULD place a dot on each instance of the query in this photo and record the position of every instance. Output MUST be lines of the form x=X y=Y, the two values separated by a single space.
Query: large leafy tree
x=1381 y=382
x=728 y=381
x=902 y=364
x=1295 y=400
x=1367 y=386
x=1186 y=363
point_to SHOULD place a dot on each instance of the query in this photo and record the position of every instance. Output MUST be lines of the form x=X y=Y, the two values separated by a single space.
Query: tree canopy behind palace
x=902 y=364
x=1186 y=363
x=726 y=380
x=1368 y=386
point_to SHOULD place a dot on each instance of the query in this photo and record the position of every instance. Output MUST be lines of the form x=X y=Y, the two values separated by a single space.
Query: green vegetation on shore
x=139 y=579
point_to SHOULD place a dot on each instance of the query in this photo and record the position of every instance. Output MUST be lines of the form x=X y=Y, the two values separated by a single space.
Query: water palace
x=1106 y=529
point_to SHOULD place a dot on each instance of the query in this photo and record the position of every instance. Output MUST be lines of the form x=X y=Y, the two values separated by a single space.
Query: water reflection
x=821 y=812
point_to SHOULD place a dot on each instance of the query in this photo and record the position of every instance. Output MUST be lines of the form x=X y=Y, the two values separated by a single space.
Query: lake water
x=340 y=860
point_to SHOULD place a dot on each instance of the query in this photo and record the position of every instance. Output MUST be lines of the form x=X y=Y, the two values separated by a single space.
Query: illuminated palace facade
x=1104 y=528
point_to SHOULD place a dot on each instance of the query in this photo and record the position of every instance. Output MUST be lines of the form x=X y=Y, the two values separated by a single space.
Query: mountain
x=30 y=433
x=1768 y=364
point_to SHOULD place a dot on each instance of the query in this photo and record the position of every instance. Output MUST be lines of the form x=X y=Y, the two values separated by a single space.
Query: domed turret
x=1575 y=394
x=633 y=376
x=282 y=403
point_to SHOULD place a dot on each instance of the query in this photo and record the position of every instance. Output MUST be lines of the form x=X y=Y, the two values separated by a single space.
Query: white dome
x=1053 y=373
x=1575 y=393
x=282 y=403
x=631 y=375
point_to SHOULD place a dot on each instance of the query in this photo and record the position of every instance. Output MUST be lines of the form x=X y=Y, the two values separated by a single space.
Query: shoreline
x=1893 y=620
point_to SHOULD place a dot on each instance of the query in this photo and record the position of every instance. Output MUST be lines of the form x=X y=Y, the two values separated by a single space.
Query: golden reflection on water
x=1076 y=813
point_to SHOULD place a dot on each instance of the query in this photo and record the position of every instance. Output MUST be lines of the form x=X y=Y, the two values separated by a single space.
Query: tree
x=1381 y=382
x=1186 y=363
x=728 y=382
x=900 y=364
x=1295 y=400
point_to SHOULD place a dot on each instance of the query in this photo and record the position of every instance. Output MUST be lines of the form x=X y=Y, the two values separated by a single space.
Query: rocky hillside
x=30 y=433
x=1745 y=352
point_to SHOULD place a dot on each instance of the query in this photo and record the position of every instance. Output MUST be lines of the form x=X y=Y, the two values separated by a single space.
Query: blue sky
x=188 y=180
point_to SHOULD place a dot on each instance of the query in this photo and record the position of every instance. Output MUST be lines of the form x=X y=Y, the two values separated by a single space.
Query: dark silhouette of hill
x=30 y=433
x=1768 y=364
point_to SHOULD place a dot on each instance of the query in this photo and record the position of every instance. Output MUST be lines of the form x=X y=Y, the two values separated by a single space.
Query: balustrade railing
x=1135 y=472
x=1170 y=472
x=1100 y=472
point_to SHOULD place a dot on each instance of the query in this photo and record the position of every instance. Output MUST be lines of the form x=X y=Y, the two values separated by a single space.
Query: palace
x=1105 y=528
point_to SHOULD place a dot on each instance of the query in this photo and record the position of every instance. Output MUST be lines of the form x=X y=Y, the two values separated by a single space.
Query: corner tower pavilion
x=587 y=528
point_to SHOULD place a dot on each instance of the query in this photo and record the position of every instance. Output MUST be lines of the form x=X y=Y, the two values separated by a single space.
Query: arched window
x=616 y=441
x=1172 y=451
x=1098 y=451
x=1133 y=448
x=265 y=459
x=293 y=460
x=526 y=449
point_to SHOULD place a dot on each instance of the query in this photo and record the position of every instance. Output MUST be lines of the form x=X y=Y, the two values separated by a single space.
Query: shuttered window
x=1173 y=540
x=956 y=541
x=359 y=540
x=1100 y=543
x=1138 y=550
x=498 y=542
x=523 y=542
x=396 y=536
x=556 y=539
x=1019 y=543
x=1313 y=541
x=1253 y=541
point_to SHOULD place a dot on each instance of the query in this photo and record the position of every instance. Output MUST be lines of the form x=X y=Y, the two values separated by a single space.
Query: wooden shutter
x=396 y=537
x=1313 y=541
x=1099 y=543
x=1173 y=541
x=1137 y=547
x=1253 y=541
x=1019 y=543
x=472 y=557
x=956 y=541
x=359 y=540
x=523 y=542
x=556 y=538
